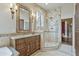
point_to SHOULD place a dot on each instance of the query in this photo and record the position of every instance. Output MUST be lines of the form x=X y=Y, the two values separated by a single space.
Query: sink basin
x=5 y=51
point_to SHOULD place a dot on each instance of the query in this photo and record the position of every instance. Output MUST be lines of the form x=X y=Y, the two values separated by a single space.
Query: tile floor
x=63 y=50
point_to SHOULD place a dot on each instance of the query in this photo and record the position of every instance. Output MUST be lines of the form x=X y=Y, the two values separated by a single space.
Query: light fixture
x=13 y=9
x=46 y=3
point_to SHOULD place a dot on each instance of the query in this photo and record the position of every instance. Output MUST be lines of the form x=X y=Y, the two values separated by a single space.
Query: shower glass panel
x=53 y=35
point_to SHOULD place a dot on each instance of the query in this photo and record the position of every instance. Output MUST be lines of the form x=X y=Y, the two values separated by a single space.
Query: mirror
x=23 y=19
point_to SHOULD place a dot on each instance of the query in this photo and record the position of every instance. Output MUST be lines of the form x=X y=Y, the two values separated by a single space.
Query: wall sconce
x=33 y=16
x=46 y=4
x=13 y=9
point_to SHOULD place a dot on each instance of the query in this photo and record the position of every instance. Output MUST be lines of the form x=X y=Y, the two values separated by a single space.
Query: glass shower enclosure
x=52 y=36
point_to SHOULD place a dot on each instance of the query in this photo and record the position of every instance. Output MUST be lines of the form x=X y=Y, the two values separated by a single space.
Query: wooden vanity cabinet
x=26 y=46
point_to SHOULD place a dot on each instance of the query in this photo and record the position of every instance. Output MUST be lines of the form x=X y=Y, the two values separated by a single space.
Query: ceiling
x=51 y=6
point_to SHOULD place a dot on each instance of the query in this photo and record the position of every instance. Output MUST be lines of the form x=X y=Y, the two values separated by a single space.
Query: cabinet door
x=37 y=42
x=30 y=45
x=27 y=46
x=33 y=44
x=20 y=43
x=20 y=46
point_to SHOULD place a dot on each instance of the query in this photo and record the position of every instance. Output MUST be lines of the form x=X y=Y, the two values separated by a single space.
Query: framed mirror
x=22 y=19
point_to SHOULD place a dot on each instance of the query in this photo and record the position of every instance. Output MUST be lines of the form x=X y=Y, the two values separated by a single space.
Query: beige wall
x=67 y=11
x=4 y=41
x=7 y=25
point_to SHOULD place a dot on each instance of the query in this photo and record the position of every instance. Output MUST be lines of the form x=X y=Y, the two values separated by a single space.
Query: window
x=39 y=21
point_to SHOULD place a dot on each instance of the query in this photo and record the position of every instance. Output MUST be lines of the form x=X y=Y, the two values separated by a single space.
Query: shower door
x=52 y=37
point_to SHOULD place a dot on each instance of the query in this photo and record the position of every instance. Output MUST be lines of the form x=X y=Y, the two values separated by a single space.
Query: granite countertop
x=23 y=36
x=15 y=34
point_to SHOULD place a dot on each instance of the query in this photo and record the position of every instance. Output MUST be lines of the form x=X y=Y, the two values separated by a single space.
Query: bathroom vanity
x=26 y=44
